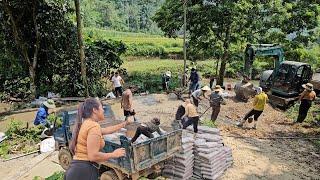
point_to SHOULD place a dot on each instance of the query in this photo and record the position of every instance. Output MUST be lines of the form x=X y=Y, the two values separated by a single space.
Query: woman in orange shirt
x=87 y=142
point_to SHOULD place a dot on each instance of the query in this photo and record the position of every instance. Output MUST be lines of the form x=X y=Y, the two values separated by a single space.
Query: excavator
x=284 y=83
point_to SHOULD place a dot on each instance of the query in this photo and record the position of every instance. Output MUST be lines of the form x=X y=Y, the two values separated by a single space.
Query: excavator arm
x=253 y=50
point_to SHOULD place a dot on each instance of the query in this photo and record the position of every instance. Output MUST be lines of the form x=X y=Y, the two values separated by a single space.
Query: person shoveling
x=199 y=94
x=259 y=103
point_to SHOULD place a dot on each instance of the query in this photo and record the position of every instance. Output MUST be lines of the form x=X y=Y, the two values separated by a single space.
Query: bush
x=20 y=139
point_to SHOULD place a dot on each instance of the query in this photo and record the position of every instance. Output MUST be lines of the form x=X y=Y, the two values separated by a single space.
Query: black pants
x=195 y=101
x=118 y=91
x=142 y=130
x=215 y=112
x=82 y=170
x=303 y=110
x=253 y=113
x=191 y=120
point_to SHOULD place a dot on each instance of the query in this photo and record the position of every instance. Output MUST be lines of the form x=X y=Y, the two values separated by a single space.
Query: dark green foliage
x=123 y=15
x=151 y=81
x=102 y=56
x=222 y=29
x=57 y=68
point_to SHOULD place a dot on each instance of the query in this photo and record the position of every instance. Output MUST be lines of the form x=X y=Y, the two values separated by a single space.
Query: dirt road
x=254 y=158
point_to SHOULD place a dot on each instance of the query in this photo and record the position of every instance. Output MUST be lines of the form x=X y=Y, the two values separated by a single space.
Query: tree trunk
x=81 y=48
x=24 y=50
x=222 y=67
x=223 y=64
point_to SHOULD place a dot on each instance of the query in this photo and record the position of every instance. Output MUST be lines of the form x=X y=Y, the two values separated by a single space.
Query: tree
x=26 y=27
x=81 y=48
x=227 y=23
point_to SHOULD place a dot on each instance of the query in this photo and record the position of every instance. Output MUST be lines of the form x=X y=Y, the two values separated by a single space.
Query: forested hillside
x=121 y=15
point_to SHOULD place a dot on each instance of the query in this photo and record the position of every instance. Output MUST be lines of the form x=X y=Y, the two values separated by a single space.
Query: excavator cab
x=290 y=76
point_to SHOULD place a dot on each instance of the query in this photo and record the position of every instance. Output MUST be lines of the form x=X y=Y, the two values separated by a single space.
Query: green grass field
x=146 y=72
x=140 y=44
x=156 y=65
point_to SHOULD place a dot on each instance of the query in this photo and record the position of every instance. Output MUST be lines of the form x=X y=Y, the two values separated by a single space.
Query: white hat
x=168 y=73
x=49 y=104
x=308 y=86
x=205 y=88
x=259 y=90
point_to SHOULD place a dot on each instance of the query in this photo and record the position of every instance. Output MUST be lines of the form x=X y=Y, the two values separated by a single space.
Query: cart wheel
x=109 y=175
x=65 y=158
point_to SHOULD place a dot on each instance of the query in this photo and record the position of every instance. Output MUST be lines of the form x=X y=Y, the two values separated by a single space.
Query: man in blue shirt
x=194 y=81
x=41 y=118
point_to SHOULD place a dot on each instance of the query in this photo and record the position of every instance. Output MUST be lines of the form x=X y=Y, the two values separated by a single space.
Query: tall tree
x=81 y=48
x=26 y=34
x=223 y=24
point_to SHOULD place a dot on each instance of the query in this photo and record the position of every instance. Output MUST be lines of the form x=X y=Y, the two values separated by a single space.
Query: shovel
x=204 y=112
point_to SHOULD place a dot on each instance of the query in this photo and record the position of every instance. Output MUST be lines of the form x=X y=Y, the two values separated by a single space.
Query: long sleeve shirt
x=41 y=117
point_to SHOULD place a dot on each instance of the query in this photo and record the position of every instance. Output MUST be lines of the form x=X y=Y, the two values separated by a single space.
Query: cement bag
x=47 y=145
x=209 y=137
x=187 y=140
x=209 y=130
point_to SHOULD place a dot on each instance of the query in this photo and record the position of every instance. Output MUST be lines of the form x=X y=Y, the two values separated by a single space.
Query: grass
x=156 y=65
x=146 y=72
x=139 y=43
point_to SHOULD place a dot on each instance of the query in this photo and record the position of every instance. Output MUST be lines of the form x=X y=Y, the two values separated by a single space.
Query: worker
x=43 y=112
x=117 y=84
x=306 y=98
x=165 y=80
x=191 y=116
x=177 y=123
x=259 y=103
x=127 y=103
x=212 y=79
x=198 y=94
x=87 y=142
x=147 y=129
x=215 y=102
x=194 y=80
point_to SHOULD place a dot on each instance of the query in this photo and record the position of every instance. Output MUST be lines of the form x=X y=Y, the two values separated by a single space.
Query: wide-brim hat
x=217 y=88
x=308 y=86
x=205 y=88
x=168 y=73
x=49 y=104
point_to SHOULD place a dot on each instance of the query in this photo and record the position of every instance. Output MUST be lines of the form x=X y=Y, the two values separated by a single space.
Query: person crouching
x=147 y=129
x=191 y=115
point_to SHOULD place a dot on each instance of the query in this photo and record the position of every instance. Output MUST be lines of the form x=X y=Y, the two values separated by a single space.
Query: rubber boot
x=240 y=124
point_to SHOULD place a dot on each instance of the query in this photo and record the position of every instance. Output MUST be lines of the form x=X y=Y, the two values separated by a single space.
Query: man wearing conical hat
x=306 y=98
x=215 y=102
x=43 y=112
x=198 y=94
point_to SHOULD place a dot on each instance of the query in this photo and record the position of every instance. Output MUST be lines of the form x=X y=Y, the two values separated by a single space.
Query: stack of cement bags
x=181 y=166
x=212 y=158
